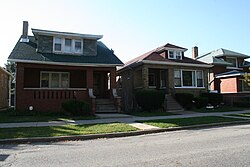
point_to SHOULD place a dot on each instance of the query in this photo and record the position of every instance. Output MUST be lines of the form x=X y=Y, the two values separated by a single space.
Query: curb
x=114 y=135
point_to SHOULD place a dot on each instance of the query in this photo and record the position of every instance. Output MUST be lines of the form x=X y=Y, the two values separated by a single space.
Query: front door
x=100 y=84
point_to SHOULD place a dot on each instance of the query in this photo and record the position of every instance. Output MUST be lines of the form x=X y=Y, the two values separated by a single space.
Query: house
x=165 y=68
x=5 y=83
x=227 y=72
x=53 y=66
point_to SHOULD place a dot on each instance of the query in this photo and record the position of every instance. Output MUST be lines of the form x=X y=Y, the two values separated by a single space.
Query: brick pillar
x=19 y=86
x=145 y=76
x=113 y=78
x=90 y=78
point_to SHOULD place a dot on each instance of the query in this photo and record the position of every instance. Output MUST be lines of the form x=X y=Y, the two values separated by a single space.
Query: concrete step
x=107 y=111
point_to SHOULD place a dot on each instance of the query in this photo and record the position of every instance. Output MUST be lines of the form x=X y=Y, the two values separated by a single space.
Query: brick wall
x=228 y=85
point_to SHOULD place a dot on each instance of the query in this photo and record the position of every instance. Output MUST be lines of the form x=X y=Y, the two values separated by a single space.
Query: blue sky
x=133 y=27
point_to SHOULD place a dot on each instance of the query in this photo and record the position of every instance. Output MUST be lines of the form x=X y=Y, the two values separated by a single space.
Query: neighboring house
x=226 y=74
x=53 y=66
x=5 y=83
x=164 y=68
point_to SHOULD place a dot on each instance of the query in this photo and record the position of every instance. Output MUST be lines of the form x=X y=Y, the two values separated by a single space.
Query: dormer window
x=67 y=45
x=233 y=61
x=174 y=54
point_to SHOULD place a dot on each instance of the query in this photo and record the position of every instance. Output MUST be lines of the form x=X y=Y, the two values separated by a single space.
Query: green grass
x=15 y=116
x=151 y=114
x=67 y=130
x=220 y=109
x=176 y=122
x=247 y=115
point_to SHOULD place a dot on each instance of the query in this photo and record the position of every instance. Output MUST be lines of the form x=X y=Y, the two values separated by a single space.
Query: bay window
x=188 y=78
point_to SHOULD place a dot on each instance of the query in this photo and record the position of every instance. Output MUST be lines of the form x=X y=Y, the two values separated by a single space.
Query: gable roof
x=154 y=56
x=26 y=52
x=214 y=57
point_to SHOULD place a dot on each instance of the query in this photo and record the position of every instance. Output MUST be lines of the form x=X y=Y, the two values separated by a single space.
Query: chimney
x=194 y=52
x=24 y=37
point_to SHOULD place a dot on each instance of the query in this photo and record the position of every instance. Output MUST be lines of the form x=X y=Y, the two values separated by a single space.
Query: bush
x=150 y=99
x=201 y=102
x=241 y=104
x=213 y=98
x=185 y=99
x=77 y=108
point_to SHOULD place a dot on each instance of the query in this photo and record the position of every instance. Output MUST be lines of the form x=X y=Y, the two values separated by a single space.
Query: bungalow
x=164 y=68
x=227 y=72
x=53 y=66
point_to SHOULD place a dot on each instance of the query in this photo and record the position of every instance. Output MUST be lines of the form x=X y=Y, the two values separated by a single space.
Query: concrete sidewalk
x=121 y=118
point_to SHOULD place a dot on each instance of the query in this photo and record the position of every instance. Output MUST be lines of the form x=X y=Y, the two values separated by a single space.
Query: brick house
x=53 y=66
x=227 y=71
x=164 y=68
x=5 y=83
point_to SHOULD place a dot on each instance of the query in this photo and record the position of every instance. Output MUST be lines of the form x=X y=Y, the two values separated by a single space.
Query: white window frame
x=73 y=51
x=175 y=54
x=195 y=78
x=50 y=79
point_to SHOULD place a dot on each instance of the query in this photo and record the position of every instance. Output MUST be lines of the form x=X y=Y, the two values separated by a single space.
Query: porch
x=46 y=87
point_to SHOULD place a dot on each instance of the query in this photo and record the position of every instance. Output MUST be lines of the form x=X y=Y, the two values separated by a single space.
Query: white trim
x=194 y=77
x=168 y=48
x=234 y=68
x=175 y=54
x=64 y=63
x=175 y=63
x=55 y=88
x=229 y=75
x=65 y=34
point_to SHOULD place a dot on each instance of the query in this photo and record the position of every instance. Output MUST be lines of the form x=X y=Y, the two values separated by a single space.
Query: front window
x=151 y=79
x=68 y=45
x=162 y=78
x=188 y=78
x=54 y=80
x=244 y=86
x=171 y=54
x=78 y=46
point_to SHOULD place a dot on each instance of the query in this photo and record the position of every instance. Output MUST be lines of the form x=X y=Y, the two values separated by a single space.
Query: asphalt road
x=224 y=146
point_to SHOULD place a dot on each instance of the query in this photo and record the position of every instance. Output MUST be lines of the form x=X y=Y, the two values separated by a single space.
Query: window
x=162 y=78
x=174 y=54
x=54 y=80
x=151 y=79
x=58 y=44
x=233 y=61
x=67 y=45
x=244 y=86
x=177 y=78
x=188 y=78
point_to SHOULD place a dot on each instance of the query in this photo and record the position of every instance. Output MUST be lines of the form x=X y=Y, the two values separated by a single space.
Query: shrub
x=149 y=99
x=241 y=104
x=185 y=99
x=213 y=98
x=201 y=102
x=77 y=108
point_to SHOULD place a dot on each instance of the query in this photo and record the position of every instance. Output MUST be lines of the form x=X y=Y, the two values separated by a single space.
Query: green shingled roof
x=27 y=52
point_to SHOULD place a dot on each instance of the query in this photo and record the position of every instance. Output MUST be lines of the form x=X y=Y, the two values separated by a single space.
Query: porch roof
x=232 y=73
x=26 y=52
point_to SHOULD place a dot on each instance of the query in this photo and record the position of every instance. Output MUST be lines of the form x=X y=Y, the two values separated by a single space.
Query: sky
x=133 y=27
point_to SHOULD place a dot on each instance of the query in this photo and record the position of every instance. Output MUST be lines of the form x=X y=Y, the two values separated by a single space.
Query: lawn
x=15 y=116
x=151 y=114
x=67 y=130
x=176 y=122
x=246 y=115
x=220 y=109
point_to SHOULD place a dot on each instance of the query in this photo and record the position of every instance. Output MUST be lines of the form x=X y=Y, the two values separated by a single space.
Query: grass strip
x=246 y=115
x=220 y=109
x=151 y=114
x=67 y=130
x=176 y=122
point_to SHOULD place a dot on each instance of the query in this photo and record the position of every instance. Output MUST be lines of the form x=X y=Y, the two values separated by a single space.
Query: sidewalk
x=121 y=118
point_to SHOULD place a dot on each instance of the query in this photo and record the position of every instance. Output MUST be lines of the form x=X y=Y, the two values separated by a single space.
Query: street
x=222 y=146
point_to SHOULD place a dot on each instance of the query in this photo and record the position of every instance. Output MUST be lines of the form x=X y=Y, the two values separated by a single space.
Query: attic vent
x=24 y=37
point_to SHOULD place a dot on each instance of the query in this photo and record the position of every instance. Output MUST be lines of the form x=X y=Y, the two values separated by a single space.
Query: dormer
x=172 y=52
x=66 y=43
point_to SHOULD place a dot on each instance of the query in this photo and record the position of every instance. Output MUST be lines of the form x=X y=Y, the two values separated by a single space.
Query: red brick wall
x=228 y=85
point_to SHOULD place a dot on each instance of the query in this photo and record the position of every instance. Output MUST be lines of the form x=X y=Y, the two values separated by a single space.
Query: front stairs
x=105 y=106
x=171 y=104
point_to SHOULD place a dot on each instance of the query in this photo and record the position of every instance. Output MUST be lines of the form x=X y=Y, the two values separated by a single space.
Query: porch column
x=145 y=76
x=113 y=78
x=90 y=78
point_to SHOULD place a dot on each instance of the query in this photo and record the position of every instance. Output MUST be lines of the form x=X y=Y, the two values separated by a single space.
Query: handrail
x=91 y=93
